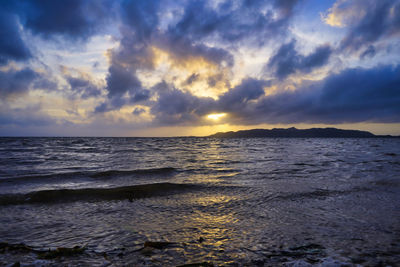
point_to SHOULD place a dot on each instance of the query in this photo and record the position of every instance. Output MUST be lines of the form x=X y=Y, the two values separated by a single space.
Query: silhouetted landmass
x=300 y=133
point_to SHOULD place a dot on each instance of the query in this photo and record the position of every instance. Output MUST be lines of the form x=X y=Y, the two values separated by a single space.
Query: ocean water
x=226 y=202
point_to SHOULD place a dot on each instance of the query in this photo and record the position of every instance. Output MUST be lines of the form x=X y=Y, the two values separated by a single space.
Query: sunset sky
x=186 y=67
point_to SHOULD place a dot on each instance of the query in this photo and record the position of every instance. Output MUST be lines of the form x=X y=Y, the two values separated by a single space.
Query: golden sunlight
x=178 y=69
x=216 y=116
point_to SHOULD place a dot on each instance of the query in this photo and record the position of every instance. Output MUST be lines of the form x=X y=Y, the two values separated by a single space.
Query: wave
x=97 y=194
x=153 y=171
x=43 y=177
x=90 y=174
x=317 y=194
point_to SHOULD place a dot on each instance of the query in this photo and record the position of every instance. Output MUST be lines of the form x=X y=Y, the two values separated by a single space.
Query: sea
x=198 y=201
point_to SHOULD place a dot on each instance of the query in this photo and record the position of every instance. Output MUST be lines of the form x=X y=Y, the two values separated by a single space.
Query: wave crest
x=97 y=194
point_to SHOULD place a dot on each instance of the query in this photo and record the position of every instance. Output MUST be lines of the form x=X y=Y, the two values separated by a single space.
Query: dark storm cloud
x=115 y=103
x=233 y=21
x=182 y=48
x=351 y=96
x=238 y=97
x=15 y=82
x=382 y=19
x=198 y=21
x=140 y=35
x=354 y=95
x=12 y=47
x=286 y=6
x=123 y=88
x=140 y=96
x=197 y=30
x=182 y=41
x=103 y=107
x=84 y=87
x=369 y=52
x=140 y=21
x=121 y=80
x=45 y=83
x=287 y=60
x=174 y=106
x=214 y=79
x=316 y=59
x=77 y=19
x=142 y=16
x=138 y=111
x=192 y=78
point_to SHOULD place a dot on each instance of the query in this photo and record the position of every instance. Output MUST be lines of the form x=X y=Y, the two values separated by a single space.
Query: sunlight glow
x=216 y=116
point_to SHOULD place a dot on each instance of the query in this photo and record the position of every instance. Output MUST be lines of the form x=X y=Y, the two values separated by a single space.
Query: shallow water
x=234 y=202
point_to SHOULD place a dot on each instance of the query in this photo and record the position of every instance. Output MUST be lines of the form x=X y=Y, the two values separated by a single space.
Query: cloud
x=138 y=111
x=234 y=22
x=183 y=48
x=368 y=21
x=75 y=19
x=82 y=86
x=142 y=16
x=287 y=60
x=30 y=115
x=141 y=39
x=134 y=53
x=369 y=52
x=381 y=19
x=174 y=106
x=121 y=80
x=140 y=96
x=15 y=82
x=12 y=47
x=174 y=62
x=342 y=13
x=192 y=78
x=353 y=95
x=238 y=97
x=183 y=41
x=123 y=88
x=286 y=6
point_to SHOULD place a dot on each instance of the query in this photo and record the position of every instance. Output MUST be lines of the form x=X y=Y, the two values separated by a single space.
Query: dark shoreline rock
x=42 y=254
x=197 y=264
x=157 y=244
x=61 y=252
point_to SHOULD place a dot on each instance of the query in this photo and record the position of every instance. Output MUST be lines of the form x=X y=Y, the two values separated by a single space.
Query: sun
x=216 y=116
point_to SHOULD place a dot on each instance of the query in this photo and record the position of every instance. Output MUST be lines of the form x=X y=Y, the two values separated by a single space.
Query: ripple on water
x=240 y=201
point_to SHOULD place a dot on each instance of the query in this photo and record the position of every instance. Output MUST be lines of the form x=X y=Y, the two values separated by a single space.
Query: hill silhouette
x=300 y=133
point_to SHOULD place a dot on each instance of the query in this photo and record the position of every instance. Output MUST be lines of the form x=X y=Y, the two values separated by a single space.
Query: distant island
x=299 y=133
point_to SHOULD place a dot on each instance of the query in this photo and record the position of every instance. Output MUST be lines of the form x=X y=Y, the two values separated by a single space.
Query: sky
x=188 y=67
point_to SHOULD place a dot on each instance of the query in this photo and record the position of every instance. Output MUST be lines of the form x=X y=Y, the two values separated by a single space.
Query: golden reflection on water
x=214 y=227
x=212 y=218
x=209 y=200
x=215 y=223
x=204 y=223
x=217 y=226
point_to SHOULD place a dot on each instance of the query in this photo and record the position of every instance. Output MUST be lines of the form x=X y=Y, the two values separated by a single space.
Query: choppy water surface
x=229 y=202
